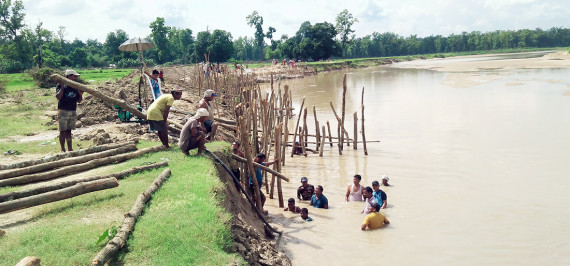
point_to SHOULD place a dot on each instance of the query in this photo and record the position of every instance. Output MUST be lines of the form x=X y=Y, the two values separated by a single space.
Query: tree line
x=23 y=47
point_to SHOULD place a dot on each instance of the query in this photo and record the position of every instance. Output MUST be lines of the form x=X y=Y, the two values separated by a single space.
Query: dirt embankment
x=256 y=244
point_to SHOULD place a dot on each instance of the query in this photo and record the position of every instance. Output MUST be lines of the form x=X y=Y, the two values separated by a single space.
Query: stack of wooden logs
x=49 y=168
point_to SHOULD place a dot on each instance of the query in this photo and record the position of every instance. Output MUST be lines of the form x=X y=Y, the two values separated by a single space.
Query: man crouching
x=191 y=135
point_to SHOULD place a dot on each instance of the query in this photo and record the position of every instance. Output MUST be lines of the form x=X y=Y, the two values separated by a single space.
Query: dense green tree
x=11 y=19
x=256 y=21
x=112 y=43
x=344 y=22
x=159 y=37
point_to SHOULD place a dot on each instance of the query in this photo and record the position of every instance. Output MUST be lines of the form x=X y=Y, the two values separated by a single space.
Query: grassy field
x=23 y=81
x=23 y=113
x=183 y=223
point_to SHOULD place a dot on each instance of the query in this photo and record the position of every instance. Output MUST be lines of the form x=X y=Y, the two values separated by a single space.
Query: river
x=479 y=167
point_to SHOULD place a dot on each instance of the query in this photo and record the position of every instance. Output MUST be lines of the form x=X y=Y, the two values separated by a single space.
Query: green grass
x=99 y=75
x=183 y=224
x=18 y=81
x=25 y=114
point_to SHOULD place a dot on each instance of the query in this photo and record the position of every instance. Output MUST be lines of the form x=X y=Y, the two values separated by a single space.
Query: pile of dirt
x=256 y=244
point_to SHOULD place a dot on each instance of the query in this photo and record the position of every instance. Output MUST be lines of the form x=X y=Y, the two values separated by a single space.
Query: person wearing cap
x=209 y=125
x=374 y=219
x=385 y=181
x=306 y=190
x=157 y=114
x=67 y=99
x=291 y=206
x=191 y=135
x=380 y=195
x=260 y=159
x=319 y=200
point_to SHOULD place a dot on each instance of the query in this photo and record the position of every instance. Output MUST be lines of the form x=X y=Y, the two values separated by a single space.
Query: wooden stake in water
x=322 y=143
x=355 y=140
x=297 y=126
x=342 y=118
x=363 y=134
x=330 y=137
x=317 y=134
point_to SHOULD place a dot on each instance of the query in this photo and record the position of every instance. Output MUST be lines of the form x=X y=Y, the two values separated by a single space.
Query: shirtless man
x=291 y=206
x=354 y=190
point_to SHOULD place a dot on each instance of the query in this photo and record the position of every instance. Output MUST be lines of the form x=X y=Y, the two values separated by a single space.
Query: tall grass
x=183 y=224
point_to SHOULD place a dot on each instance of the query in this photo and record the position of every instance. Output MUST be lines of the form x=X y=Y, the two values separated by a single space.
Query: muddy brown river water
x=478 y=160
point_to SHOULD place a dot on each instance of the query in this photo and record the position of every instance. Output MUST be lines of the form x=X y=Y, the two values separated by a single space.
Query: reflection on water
x=479 y=174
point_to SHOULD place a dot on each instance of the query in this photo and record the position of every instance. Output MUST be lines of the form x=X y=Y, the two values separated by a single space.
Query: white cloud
x=95 y=19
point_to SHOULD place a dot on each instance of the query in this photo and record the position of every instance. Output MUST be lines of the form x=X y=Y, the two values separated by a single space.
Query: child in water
x=305 y=215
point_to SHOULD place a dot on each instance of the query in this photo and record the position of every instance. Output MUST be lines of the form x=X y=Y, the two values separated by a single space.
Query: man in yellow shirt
x=157 y=114
x=375 y=219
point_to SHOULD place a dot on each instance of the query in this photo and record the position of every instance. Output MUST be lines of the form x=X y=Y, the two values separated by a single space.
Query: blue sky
x=95 y=19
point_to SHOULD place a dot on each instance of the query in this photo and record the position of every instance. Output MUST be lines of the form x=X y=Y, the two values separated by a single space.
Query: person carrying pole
x=67 y=99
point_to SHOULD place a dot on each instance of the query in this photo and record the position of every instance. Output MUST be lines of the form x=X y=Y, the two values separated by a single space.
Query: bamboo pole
x=330 y=137
x=286 y=122
x=355 y=140
x=322 y=142
x=277 y=166
x=131 y=217
x=65 y=162
x=77 y=168
x=317 y=134
x=343 y=105
x=303 y=138
x=297 y=126
x=57 y=195
x=39 y=190
x=247 y=151
x=60 y=156
x=362 y=124
x=262 y=167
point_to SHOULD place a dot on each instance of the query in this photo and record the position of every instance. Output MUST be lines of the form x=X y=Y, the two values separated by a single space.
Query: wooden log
x=57 y=195
x=65 y=162
x=297 y=126
x=322 y=142
x=355 y=140
x=362 y=124
x=302 y=137
x=77 y=168
x=64 y=155
x=338 y=130
x=249 y=162
x=217 y=119
x=343 y=105
x=262 y=167
x=110 y=100
x=330 y=137
x=120 y=175
x=317 y=134
x=30 y=261
x=286 y=123
x=131 y=217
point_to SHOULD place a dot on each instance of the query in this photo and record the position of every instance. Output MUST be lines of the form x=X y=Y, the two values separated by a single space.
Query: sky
x=94 y=19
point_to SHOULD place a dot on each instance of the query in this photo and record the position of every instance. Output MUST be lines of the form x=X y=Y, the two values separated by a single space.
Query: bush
x=10 y=66
x=439 y=56
x=128 y=62
x=42 y=76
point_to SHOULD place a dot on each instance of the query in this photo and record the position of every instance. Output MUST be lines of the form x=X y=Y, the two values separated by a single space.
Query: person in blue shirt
x=305 y=215
x=319 y=200
x=260 y=159
x=379 y=195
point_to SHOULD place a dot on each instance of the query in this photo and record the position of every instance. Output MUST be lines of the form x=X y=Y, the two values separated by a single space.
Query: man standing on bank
x=191 y=135
x=209 y=124
x=157 y=114
x=67 y=99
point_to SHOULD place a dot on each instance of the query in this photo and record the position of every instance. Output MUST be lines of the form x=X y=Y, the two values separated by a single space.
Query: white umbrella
x=137 y=45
